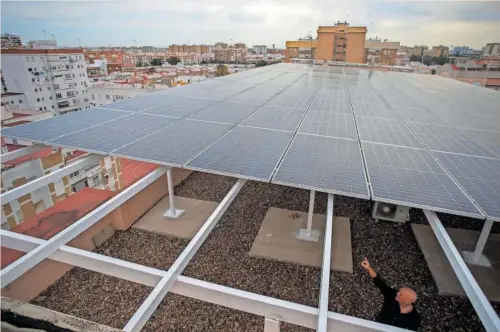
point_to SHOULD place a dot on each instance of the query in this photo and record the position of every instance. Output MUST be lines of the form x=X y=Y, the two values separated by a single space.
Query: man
x=398 y=308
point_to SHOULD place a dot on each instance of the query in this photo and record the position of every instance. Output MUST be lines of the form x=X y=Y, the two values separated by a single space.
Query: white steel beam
x=477 y=257
x=252 y=303
x=31 y=186
x=488 y=317
x=21 y=152
x=147 y=308
x=23 y=264
x=325 y=268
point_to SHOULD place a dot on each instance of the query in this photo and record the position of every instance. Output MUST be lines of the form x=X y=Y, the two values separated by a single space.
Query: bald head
x=406 y=296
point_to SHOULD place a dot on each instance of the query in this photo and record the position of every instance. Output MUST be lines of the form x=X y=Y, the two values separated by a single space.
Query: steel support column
x=172 y=212
x=477 y=257
x=308 y=234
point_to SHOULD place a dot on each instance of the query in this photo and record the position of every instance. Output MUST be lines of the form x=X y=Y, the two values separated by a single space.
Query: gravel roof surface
x=223 y=259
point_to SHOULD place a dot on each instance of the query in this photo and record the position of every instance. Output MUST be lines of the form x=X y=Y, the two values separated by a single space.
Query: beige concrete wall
x=36 y=280
x=324 y=46
x=355 y=51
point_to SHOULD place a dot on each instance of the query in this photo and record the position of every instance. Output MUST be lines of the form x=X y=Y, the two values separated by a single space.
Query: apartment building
x=491 y=49
x=105 y=95
x=11 y=41
x=460 y=50
x=341 y=42
x=381 y=51
x=42 y=44
x=440 y=51
x=230 y=53
x=418 y=50
x=260 y=49
x=300 y=49
x=52 y=80
x=14 y=101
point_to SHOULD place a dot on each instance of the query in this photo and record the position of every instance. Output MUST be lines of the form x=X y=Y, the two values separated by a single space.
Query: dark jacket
x=391 y=313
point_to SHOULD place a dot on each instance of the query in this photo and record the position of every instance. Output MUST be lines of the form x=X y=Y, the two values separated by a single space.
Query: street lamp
x=44 y=35
x=53 y=36
x=79 y=42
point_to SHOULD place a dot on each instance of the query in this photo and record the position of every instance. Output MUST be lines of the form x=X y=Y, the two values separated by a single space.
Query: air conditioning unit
x=391 y=212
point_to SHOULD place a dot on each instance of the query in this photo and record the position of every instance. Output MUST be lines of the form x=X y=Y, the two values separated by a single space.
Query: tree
x=414 y=57
x=151 y=70
x=221 y=70
x=139 y=64
x=261 y=63
x=156 y=62
x=173 y=60
x=203 y=62
x=433 y=71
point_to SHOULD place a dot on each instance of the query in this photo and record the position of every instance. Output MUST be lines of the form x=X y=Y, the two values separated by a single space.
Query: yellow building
x=339 y=42
x=300 y=49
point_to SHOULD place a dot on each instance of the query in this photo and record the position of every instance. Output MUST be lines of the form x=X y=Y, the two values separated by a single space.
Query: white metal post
x=484 y=310
x=325 y=268
x=308 y=234
x=23 y=264
x=271 y=325
x=256 y=304
x=172 y=212
x=477 y=257
x=136 y=323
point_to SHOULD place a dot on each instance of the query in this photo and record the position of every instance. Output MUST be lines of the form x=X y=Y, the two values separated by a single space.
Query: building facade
x=42 y=44
x=491 y=49
x=440 y=51
x=459 y=50
x=52 y=80
x=381 y=51
x=14 y=101
x=11 y=41
x=300 y=49
x=341 y=42
x=260 y=49
x=418 y=50
x=230 y=53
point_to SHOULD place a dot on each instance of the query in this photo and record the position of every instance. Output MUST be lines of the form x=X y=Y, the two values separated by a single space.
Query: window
x=41 y=109
x=36 y=90
x=43 y=99
x=12 y=102
x=44 y=108
x=74 y=101
x=29 y=69
x=33 y=80
x=20 y=101
x=32 y=58
x=52 y=106
x=58 y=95
x=38 y=99
x=48 y=88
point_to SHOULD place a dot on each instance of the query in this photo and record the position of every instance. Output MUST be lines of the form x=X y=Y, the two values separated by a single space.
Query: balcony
x=63 y=104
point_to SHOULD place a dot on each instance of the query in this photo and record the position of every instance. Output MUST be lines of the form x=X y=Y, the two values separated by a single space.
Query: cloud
x=268 y=22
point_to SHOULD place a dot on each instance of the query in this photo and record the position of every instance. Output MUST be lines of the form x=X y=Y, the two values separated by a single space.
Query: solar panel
x=226 y=112
x=138 y=103
x=381 y=123
x=373 y=109
x=329 y=124
x=175 y=145
x=110 y=136
x=400 y=157
x=487 y=169
x=278 y=118
x=401 y=138
x=366 y=98
x=299 y=101
x=417 y=114
x=45 y=130
x=331 y=105
x=486 y=194
x=180 y=107
x=245 y=152
x=426 y=190
x=324 y=163
x=258 y=95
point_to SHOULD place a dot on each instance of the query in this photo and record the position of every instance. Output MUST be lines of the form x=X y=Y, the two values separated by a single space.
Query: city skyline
x=472 y=23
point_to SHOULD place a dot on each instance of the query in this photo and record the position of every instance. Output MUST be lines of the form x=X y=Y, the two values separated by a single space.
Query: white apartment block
x=260 y=49
x=51 y=79
x=491 y=49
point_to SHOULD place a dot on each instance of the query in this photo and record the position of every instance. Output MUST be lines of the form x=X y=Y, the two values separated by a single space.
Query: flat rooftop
x=268 y=138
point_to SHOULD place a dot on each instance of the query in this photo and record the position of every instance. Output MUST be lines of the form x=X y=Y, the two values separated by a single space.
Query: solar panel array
x=415 y=140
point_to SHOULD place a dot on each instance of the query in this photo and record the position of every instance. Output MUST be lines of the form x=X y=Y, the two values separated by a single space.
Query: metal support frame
x=172 y=212
x=256 y=304
x=21 y=152
x=309 y=234
x=45 y=180
x=147 y=308
x=477 y=257
x=488 y=317
x=271 y=325
x=325 y=268
x=23 y=264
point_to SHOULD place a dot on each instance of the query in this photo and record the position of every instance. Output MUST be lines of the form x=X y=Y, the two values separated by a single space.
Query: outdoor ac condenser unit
x=391 y=212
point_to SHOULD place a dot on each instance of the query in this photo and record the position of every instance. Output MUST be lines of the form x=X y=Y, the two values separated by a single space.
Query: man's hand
x=366 y=265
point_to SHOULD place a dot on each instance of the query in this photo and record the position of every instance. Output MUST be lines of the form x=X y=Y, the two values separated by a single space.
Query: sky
x=256 y=22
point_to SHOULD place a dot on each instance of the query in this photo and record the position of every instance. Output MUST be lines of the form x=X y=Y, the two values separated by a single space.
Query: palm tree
x=221 y=70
